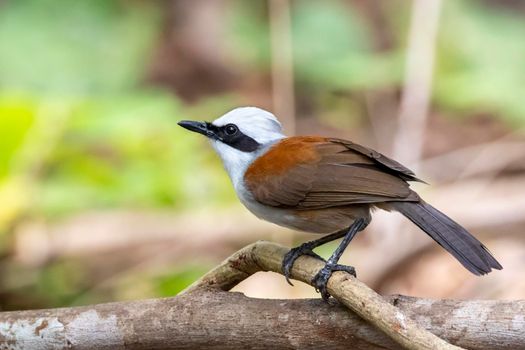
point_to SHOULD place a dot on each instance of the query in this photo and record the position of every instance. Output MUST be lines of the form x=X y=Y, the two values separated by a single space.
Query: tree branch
x=212 y=319
x=205 y=316
x=265 y=256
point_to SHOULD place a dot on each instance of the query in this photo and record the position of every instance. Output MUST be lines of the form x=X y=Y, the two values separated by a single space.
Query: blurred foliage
x=80 y=129
x=17 y=118
x=171 y=284
x=481 y=60
x=108 y=142
x=125 y=151
x=332 y=46
x=75 y=47
x=349 y=49
x=71 y=82
x=57 y=284
x=479 y=67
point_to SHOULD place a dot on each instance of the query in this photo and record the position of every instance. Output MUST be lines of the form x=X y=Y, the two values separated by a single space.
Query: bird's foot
x=321 y=279
x=293 y=254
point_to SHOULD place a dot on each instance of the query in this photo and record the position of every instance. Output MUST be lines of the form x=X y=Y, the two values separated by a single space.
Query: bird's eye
x=230 y=129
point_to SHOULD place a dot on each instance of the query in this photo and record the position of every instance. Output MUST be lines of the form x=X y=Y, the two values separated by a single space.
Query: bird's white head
x=239 y=137
x=260 y=125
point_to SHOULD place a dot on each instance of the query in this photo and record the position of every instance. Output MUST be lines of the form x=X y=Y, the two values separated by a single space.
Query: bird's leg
x=321 y=279
x=307 y=249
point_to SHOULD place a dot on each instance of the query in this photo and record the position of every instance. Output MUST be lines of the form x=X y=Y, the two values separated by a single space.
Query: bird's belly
x=315 y=221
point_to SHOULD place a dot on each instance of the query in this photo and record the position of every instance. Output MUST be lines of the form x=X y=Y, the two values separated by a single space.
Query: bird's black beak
x=199 y=127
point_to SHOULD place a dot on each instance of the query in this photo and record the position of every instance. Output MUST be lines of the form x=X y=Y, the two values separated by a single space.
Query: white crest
x=260 y=125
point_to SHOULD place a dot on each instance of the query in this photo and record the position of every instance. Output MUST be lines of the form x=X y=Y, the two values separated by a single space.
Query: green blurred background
x=103 y=197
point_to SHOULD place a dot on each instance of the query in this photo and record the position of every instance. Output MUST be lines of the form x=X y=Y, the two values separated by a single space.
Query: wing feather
x=338 y=173
x=388 y=163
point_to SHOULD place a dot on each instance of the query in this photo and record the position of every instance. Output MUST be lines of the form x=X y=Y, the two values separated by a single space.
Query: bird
x=325 y=185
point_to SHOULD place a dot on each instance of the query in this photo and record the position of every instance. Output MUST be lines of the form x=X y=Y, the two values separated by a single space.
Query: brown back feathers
x=316 y=172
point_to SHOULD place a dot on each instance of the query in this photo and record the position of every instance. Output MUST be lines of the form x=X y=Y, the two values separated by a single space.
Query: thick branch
x=206 y=316
x=212 y=319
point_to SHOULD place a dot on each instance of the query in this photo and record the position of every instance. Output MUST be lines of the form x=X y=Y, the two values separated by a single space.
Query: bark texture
x=213 y=319
x=358 y=297
x=207 y=316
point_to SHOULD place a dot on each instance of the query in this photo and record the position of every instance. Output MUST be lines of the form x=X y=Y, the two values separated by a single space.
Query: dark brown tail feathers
x=450 y=235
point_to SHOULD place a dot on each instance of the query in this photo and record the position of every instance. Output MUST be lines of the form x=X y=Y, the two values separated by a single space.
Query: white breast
x=236 y=163
x=277 y=216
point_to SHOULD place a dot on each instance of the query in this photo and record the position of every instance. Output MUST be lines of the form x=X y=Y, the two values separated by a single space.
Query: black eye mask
x=233 y=137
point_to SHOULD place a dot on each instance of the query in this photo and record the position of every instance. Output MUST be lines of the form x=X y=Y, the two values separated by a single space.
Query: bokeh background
x=103 y=197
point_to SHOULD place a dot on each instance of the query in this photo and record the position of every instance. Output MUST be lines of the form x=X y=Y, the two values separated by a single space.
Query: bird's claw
x=320 y=280
x=292 y=255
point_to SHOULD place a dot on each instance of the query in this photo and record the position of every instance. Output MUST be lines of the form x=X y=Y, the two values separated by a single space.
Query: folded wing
x=315 y=172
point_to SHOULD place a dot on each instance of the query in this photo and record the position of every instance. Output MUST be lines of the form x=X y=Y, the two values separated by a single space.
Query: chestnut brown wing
x=314 y=173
